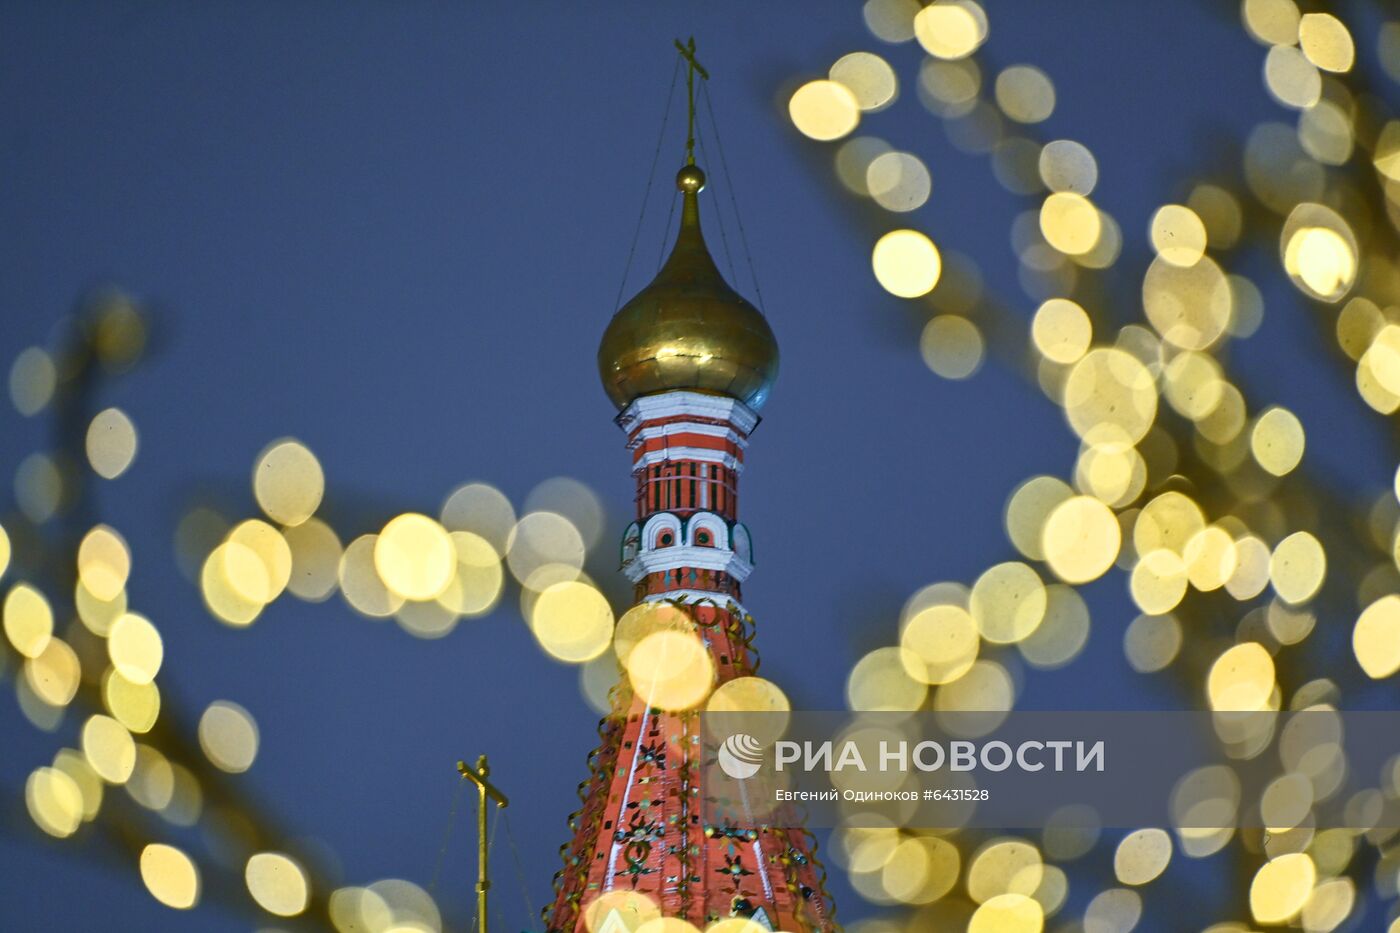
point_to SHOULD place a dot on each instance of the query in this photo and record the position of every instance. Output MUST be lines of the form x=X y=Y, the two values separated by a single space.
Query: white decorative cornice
x=683 y=557
x=649 y=432
x=688 y=404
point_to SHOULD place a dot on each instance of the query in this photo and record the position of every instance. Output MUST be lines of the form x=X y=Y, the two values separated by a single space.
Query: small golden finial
x=687 y=50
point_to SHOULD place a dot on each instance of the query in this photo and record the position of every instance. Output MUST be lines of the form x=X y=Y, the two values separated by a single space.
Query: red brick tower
x=688 y=361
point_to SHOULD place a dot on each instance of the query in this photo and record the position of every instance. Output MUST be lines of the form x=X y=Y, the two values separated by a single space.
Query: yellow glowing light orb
x=572 y=499
x=1061 y=330
x=951 y=346
x=73 y=764
x=1291 y=78
x=135 y=648
x=1110 y=397
x=986 y=687
x=316 y=552
x=671 y=670
x=889 y=21
x=1115 y=474
x=54 y=674
x=1241 y=679
x=136 y=706
x=1114 y=909
x=544 y=539
x=742 y=696
x=28 y=620
x=1008 y=866
x=1169 y=521
x=1158 y=581
x=1277 y=441
x=1322 y=261
x=360 y=583
x=55 y=801
x=881 y=681
x=1272 y=22
x=1281 y=887
x=572 y=621
x=1027 y=510
x=277 y=883
x=104 y=563
x=1025 y=94
x=1189 y=306
x=1211 y=557
x=748 y=695
x=271 y=550
x=1066 y=165
x=33 y=378
x=1326 y=42
x=1063 y=632
x=869 y=77
x=170 y=876
x=898 y=181
x=949 y=30
x=1008 y=913
x=824 y=110
x=1195 y=384
x=1081 y=539
x=288 y=482
x=227 y=603
x=38 y=487
x=1151 y=643
x=920 y=869
x=1008 y=602
x=414 y=556
x=1251 y=573
x=109 y=748
x=906 y=263
x=1070 y=223
x=1297 y=567
x=1178 y=235
x=111 y=443
x=1142 y=856
x=1376 y=638
x=645 y=619
x=229 y=736
x=480 y=577
x=941 y=643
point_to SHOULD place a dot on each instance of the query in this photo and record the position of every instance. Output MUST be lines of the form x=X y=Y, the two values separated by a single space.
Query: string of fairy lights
x=1202 y=501
x=1142 y=489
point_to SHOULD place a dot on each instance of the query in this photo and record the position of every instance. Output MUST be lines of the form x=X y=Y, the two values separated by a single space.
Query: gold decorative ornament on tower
x=688 y=329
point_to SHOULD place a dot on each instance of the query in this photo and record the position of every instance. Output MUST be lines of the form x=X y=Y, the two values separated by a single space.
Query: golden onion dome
x=688 y=329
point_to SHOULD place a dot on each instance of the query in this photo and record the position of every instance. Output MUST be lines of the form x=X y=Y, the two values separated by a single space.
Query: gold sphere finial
x=689 y=329
x=690 y=179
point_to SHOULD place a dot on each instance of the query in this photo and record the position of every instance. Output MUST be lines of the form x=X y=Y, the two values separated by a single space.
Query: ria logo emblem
x=740 y=756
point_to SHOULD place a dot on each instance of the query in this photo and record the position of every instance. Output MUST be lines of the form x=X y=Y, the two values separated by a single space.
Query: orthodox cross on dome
x=693 y=67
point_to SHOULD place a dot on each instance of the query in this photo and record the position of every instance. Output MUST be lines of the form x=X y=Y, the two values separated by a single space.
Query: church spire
x=687 y=361
x=689 y=328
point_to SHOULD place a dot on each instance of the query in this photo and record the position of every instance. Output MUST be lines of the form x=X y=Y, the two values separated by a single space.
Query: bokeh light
x=288 y=482
x=111 y=443
x=170 y=876
x=824 y=110
x=906 y=263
